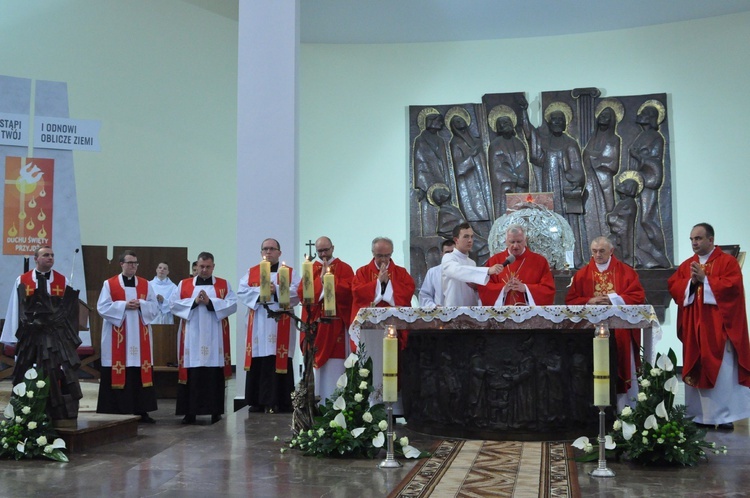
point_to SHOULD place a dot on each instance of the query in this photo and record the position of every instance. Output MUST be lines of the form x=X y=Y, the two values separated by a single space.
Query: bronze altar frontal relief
x=516 y=385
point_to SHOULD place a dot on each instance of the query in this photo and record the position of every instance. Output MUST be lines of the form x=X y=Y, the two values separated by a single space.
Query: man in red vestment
x=606 y=280
x=526 y=278
x=712 y=325
x=381 y=282
x=330 y=340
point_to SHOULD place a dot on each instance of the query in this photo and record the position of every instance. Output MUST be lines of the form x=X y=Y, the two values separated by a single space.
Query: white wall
x=162 y=78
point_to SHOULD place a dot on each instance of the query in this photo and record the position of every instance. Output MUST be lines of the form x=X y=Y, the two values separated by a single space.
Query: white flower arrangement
x=26 y=431
x=665 y=434
x=348 y=425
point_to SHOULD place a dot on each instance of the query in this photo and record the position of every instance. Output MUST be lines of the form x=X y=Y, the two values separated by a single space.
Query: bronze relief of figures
x=605 y=160
x=601 y=162
x=508 y=158
x=430 y=166
x=469 y=167
x=647 y=158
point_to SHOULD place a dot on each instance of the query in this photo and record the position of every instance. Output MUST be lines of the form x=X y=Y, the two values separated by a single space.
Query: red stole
x=57 y=284
x=283 y=326
x=119 y=346
x=187 y=288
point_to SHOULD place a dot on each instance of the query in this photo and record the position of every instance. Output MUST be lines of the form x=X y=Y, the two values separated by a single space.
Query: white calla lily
x=411 y=452
x=628 y=430
x=20 y=389
x=358 y=431
x=609 y=443
x=351 y=360
x=651 y=422
x=341 y=420
x=581 y=442
x=665 y=363
x=671 y=385
x=661 y=411
x=31 y=374
x=342 y=382
x=339 y=404
x=9 y=411
x=21 y=446
x=378 y=440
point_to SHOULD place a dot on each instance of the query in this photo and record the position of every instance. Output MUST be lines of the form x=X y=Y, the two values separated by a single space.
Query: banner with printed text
x=27 y=213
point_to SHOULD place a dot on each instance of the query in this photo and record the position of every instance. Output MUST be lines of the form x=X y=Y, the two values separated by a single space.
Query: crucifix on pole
x=310 y=246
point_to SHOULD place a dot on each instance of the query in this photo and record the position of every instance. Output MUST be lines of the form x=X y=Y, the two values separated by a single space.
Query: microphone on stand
x=509 y=260
x=73 y=266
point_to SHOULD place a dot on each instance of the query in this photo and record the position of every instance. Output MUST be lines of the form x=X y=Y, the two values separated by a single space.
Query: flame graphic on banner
x=28 y=198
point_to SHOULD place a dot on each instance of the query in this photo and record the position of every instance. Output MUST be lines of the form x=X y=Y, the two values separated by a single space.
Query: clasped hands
x=133 y=304
x=515 y=284
x=202 y=298
x=599 y=300
x=697 y=273
x=383 y=275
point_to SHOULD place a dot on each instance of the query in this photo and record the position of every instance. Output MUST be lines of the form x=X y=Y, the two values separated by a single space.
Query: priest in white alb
x=461 y=275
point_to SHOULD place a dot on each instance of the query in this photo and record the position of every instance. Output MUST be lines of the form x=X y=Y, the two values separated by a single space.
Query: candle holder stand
x=390 y=461
x=602 y=470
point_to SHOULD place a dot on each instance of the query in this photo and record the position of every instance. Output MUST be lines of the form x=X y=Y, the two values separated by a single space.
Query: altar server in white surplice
x=204 y=303
x=431 y=292
x=163 y=288
x=461 y=275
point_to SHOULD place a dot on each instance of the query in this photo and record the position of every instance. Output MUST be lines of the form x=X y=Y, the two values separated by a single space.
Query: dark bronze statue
x=469 y=167
x=48 y=339
x=647 y=158
x=559 y=155
x=601 y=162
x=621 y=220
x=509 y=166
x=431 y=166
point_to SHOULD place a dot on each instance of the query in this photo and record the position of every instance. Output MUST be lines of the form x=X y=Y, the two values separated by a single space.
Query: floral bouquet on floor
x=348 y=426
x=26 y=431
x=655 y=431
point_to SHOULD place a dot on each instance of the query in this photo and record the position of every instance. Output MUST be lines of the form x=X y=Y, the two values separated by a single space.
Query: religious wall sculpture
x=605 y=160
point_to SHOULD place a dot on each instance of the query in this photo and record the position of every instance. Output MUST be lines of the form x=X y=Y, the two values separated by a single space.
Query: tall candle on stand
x=265 y=280
x=284 y=286
x=329 y=294
x=390 y=364
x=601 y=366
x=308 y=289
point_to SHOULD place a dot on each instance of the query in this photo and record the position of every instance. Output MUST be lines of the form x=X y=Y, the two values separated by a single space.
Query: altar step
x=96 y=429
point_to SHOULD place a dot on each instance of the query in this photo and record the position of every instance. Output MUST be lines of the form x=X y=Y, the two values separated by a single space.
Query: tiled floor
x=239 y=457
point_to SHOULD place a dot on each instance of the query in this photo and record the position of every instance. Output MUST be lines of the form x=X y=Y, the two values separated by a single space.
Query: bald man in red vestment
x=331 y=337
x=382 y=282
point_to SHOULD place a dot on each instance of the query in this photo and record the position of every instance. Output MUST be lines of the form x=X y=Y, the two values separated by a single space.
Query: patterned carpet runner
x=493 y=468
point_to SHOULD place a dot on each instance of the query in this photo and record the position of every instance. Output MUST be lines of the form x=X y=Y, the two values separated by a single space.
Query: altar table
x=515 y=372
